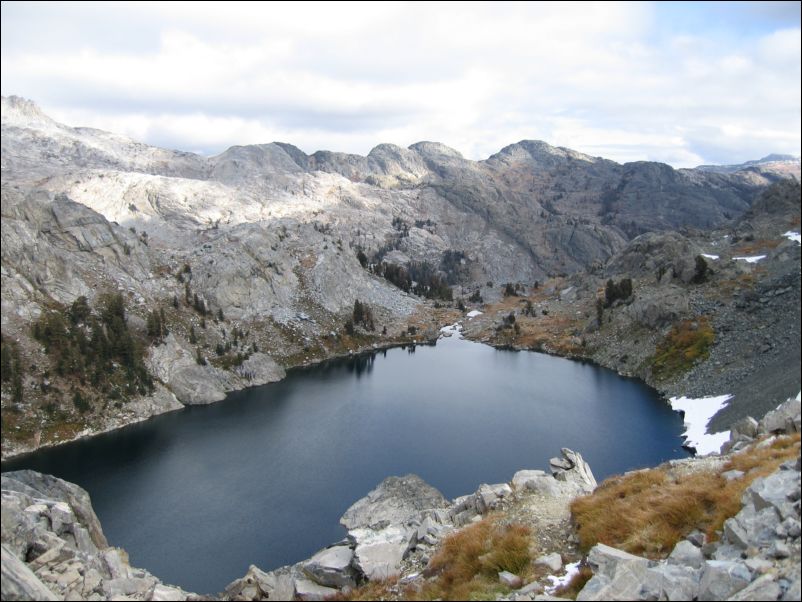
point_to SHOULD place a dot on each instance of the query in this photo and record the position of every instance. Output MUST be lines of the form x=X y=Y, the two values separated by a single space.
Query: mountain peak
x=20 y=111
x=427 y=148
x=539 y=151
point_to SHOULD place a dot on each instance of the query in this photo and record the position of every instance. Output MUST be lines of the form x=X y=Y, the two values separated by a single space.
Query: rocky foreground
x=53 y=546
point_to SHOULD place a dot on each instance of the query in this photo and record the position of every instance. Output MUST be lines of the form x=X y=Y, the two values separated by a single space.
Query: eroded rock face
x=20 y=582
x=393 y=502
x=573 y=470
x=332 y=567
x=54 y=547
x=260 y=585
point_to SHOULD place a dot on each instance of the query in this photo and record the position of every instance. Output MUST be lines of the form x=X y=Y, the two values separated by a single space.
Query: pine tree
x=6 y=369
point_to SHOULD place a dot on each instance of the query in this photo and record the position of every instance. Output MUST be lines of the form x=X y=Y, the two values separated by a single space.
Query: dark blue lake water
x=262 y=478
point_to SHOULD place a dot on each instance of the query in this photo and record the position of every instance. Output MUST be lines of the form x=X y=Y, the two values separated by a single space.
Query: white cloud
x=608 y=79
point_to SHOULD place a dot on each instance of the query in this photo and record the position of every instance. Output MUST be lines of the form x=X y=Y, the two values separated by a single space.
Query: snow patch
x=455 y=328
x=752 y=259
x=698 y=413
x=473 y=313
x=571 y=569
x=795 y=236
x=708 y=256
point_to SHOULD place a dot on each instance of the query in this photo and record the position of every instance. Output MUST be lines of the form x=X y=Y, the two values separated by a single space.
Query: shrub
x=688 y=342
x=510 y=290
x=700 y=274
x=614 y=291
x=80 y=403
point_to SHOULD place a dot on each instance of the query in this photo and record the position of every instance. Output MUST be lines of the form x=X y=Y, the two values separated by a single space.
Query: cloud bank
x=681 y=83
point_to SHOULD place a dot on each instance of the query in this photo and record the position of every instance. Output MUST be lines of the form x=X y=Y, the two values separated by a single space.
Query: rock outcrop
x=53 y=547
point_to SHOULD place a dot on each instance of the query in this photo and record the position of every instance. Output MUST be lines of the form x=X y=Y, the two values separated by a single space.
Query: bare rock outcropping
x=53 y=547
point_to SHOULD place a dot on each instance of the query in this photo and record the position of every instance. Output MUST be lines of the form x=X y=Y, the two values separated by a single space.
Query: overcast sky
x=684 y=83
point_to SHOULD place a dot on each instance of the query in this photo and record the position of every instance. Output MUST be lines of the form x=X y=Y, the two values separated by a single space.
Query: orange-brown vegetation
x=688 y=342
x=756 y=247
x=649 y=511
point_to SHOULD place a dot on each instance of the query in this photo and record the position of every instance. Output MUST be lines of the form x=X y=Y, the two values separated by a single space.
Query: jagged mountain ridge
x=562 y=209
x=773 y=164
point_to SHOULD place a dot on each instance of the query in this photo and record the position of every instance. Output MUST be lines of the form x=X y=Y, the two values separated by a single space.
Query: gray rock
x=259 y=585
x=573 y=469
x=722 y=579
x=697 y=538
x=772 y=492
x=522 y=478
x=618 y=575
x=686 y=554
x=553 y=561
x=545 y=485
x=509 y=579
x=728 y=552
x=19 y=582
x=530 y=588
x=378 y=554
x=751 y=528
x=763 y=588
x=782 y=420
x=306 y=589
x=758 y=565
x=393 y=502
x=127 y=586
x=559 y=465
x=779 y=549
x=746 y=427
x=792 y=527
x=792 y=593
x=670 y=582
x=332 y=567
x=658 y=308
x=488 y=497
x=39 y=485
x=166 y=593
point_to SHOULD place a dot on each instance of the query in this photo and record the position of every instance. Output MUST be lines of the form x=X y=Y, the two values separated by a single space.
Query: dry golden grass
x=384 y=589
x=468 y=562
x=574 y=586
x=648 y=512
x=756 y=246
